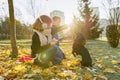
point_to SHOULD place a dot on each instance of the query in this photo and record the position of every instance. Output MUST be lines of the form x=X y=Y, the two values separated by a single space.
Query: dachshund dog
x=79 y=49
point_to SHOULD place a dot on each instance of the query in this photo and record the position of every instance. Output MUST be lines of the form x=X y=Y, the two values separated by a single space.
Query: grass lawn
x=106 y=63
x=104 y=58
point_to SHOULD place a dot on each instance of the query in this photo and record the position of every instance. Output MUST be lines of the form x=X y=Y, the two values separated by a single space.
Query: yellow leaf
x=87 y=76
x=109 y=70
x=114 y=62
x=63 y=74
x=2 y=70
x=8 y=52
x=75 y=62
x=100 y=61
x=74 y=77
x=19 y=67
x=21 y=55
x=66 y=63
x=29 y=62
x=100 y=50
x=46 y=72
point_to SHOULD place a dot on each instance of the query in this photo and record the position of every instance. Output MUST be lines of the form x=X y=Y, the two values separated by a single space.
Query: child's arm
x=58 y=29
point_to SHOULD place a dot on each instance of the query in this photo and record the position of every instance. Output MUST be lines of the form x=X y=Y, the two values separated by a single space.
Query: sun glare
x=68 y=20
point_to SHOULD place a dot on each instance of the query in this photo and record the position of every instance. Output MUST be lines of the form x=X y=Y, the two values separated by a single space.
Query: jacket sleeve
x=36 y=45
x=57 y=29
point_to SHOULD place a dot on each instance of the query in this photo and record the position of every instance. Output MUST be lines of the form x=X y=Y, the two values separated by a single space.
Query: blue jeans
x=54 y=54
x=59 y=55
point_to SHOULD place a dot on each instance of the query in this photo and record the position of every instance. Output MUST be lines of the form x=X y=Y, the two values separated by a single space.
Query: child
x=43 y=48
x=79 y=49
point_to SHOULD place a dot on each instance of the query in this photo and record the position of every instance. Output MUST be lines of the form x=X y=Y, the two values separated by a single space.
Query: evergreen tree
x=90 y=20
x=95 y=31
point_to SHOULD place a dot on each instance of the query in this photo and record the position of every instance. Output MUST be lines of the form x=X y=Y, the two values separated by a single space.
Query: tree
x=22 y=31
x=95 y=31
x=90 y=20
x=85 y=12
x=112 y=30
x=77 y=26
x=14 y=52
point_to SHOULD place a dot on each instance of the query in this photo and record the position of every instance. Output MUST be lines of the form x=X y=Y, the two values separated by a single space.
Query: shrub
x=112 y=35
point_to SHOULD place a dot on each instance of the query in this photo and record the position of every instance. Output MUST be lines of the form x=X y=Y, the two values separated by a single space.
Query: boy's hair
x=56 y=18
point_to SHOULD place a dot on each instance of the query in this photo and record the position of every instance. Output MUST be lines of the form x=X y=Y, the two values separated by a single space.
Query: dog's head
x=79 y=39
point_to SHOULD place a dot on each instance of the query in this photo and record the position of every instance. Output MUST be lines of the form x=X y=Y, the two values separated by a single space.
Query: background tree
x=112 y=30
x=14 y=52
x=77 y=26
x=85 y=12
x=23 y=31
x=90 y=20
x=95 y=31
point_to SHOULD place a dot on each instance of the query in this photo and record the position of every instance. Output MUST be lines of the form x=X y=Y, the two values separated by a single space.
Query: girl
x=43 y=46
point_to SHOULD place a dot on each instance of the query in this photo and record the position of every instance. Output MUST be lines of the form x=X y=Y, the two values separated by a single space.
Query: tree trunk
x=14 y=52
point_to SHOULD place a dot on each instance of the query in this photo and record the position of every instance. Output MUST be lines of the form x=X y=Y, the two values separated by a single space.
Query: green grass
x=99 y=50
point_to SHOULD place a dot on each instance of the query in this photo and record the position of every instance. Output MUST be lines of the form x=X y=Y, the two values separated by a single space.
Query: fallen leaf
x=19 y=67
x=99 y=60
x=101 y=65
x=114 y=62
x=63 y=74
x=109 y=70
x=100 y=78
x=100 y=50
x=87 y=76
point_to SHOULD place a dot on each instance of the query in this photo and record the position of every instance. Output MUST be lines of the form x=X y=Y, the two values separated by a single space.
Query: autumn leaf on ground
x=2 y=70
x=19 y=67
x=63 y=74
x=10 y=75
x=8 y=52
x=99 y=60
x=106 y=57
x=101 y=65
x=36 y=71
x=114 y=62
x=47 y=72
x=100 y=50
x=116 y=67
x=87 y=76
x=109 y=70
x=66 y=63
x=100 y=78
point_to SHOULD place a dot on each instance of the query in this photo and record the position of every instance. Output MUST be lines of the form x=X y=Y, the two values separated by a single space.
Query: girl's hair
x=37 y=25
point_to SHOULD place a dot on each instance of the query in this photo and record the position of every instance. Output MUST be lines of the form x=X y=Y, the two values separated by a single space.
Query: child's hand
x=54 y=41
